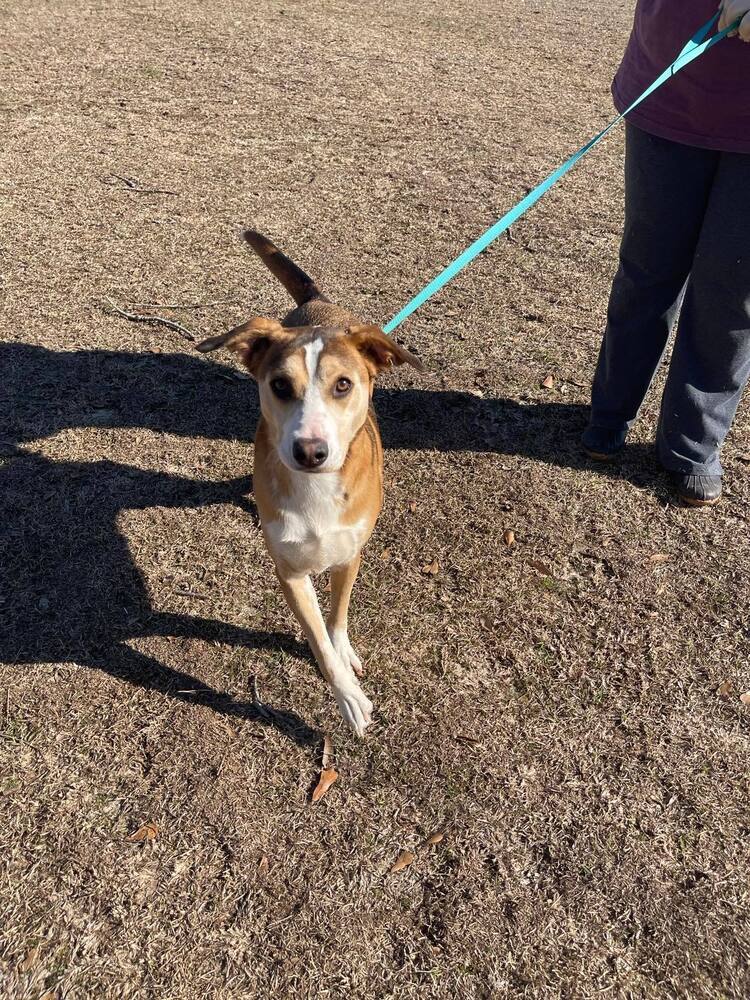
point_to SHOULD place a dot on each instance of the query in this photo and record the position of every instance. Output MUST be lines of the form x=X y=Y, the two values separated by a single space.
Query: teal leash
x=698 y=44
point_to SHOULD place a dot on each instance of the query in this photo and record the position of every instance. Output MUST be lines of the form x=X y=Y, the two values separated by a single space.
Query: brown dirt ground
x=565 y=730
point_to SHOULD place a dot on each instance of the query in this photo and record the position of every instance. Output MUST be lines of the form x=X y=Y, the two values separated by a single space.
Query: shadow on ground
x=59 y=519
x=43 y=392
x=69 y=589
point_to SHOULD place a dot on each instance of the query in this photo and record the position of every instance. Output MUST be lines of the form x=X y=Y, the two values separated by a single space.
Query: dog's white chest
x=307 y=533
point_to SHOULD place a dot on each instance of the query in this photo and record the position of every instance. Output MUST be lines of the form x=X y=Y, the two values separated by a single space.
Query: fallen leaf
x=509 y=537
x=658 y=558
x=385 y=555
x=31 y=959
x=725 y=689
x=431 y=569
x=327 y=752
x=263 y=865
x=434 y=838
x=327 y=588
x=540 y=567
x=327 y=777
x=404 y=859
x=548 y=382
x=412 y=506
x=51 y=995
x=745 y=698
x=146 y=832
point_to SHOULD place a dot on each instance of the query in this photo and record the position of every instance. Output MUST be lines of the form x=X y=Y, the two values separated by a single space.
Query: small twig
x=133 y=185
x=282 y=920
x=578 y=385
x=154 y=320
x=184 y=305
x=258 y=704
x=191 y=593
x=127 y=181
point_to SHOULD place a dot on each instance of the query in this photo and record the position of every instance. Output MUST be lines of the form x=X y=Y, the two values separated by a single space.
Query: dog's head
x=315 y=384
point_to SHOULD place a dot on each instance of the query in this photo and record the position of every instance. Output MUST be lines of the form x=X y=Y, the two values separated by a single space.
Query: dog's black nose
x=309 y=453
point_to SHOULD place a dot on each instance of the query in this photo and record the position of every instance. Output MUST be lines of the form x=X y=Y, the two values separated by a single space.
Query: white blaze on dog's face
x=314 y=394
x=315 y=384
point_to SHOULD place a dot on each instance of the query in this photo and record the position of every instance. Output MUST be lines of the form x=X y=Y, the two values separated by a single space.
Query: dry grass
x=597 y=824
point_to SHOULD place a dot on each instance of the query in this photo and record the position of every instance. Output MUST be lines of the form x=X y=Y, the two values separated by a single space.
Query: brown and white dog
x=318 y=476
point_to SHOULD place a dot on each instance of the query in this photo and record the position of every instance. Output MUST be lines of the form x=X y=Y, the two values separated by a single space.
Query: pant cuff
x=674 y=462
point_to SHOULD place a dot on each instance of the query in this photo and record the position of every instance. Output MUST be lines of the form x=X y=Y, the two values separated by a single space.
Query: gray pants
x=687 y=218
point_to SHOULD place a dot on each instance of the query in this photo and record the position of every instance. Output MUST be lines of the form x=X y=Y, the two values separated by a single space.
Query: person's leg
x=667 y=186
x=711 y=357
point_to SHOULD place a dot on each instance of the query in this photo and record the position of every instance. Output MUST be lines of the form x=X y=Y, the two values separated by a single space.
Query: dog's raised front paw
x=340 y=642
x=354 y=705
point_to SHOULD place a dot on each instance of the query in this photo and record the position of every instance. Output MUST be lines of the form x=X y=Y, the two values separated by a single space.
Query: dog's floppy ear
x=249 y=341
x=379 y=350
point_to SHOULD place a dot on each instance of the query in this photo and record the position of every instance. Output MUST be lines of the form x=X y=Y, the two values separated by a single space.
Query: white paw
x=340 y=642
x=354 y=705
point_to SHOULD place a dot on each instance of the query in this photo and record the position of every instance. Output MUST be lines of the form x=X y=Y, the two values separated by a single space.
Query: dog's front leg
x=354 y=705
x=342 y=582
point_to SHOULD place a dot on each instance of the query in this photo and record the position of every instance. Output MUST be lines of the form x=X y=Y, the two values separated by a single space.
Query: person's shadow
x=42 y=392
x=69 y=588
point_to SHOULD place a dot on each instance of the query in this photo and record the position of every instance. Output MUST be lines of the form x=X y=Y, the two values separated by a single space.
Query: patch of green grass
x=545 y=654
x=17 y=731
x=555 y=586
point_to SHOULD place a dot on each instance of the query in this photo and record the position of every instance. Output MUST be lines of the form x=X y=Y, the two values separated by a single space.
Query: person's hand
x=732 y=10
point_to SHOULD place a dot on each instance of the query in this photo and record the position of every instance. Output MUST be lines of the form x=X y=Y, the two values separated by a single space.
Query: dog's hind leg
x=342 y=582
x=354 y=705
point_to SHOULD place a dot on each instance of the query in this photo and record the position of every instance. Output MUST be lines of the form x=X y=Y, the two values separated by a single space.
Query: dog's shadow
x=69 y=588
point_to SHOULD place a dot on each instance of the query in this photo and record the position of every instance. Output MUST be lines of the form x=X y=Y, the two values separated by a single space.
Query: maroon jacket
x=707 y=104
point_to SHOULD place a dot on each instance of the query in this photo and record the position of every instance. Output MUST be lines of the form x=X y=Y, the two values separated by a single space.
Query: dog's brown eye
x=342 y=387
x=281 y=388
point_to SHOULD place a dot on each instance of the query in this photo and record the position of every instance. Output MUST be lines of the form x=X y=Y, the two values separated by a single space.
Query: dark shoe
x=602 y=444
x=697 y=491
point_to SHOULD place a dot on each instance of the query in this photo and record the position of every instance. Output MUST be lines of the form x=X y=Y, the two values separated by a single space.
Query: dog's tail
x=300 y=286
